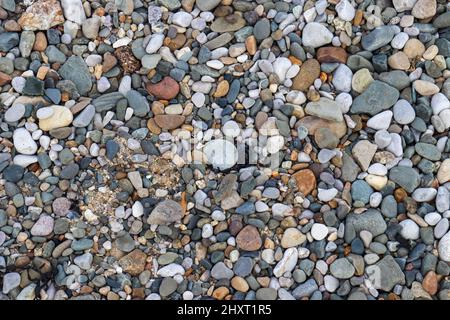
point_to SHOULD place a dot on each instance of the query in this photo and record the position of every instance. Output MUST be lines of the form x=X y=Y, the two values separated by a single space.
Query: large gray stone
x=76 y=70
x=405 y=177
x=385 y=274
x=370 y=220
x=377 y=97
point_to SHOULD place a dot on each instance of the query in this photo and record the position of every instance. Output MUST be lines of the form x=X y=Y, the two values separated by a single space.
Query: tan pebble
x=220 y=293
x=376 y=182
x=414 y=48
x=425 y=88
x=42 y=72
x=399 y=61
x=40 y=43
x=239 y=284
x=431 y=52
x=222 y=89
x=250 y=44
x=153 y=127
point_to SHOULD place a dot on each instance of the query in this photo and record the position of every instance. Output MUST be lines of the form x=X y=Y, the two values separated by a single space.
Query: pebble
x=238 y=150
x=23 y=142
x=316 y=35
x=403 y=112
x=410 y=230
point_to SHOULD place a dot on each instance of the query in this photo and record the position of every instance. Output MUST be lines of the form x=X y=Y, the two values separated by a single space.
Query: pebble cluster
x=224 y=149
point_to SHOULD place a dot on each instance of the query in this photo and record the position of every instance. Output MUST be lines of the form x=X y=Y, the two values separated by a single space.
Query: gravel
x=228 y=150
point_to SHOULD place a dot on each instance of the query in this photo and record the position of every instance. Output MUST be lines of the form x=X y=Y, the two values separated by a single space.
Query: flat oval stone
x=61 y=117
x=221 y=154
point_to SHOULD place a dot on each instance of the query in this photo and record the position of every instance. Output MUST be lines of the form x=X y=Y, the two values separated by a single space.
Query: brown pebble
x=40 y=43
x=249 y=239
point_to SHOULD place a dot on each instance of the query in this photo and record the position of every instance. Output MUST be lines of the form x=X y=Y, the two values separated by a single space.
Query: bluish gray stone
x=405 y=177
x=377 y=38
x=377 y=97
x=371 y=220
x=8 y=40
x=361 y=191
x=76 y=70
x=305 y=289
x=428 y=151
x=138 y=102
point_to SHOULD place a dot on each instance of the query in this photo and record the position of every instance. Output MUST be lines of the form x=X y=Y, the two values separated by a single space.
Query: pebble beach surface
x=224 y=149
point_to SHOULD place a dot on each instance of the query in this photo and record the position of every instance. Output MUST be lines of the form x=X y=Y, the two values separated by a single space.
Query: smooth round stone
x=375 y=199
x=61 y=117
x=441 y=228
x=103 y=84
x=319 y=231
x=281 y=66
x=292 y=237
x=424 y=194
x=342 y=78
x=274 y=144
x=231 y=129
x=23 y=142
x=399 y=40
x=85 y=117
x=150 y=61
x=326 y=195
x=325 y=155
x=271 y=193
x=444 y=248
x=382 y=139
x=11 y=280
x=342 y=268
x=439 y=102
x=344 y=100
x=198 y=99
x=156 y=41
x=221 y=154
x=381 y=121
x=377 y=169
x=410 y=230
x=14 y=113
x=44 y=113
x=261 y=30
x=432 y=218
x=316 y=35
x=18 y=83
x=345 y=10
x=181 y=18
x=207 y=231
x=361 y=80
x=403 y=112
x=43 y=227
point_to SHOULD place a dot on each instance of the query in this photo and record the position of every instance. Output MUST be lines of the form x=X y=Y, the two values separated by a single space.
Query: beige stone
x=443 y=174
x=61 y=117
x=399 y=61
x=414 y=48
x=361 y=80
x=425 y=88
x=292 y=237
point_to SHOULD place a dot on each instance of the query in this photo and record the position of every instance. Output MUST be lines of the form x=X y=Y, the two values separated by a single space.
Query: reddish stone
x=169 y=121
x=109 y=61
x=306 y=181
x=4 y=78
x=331 y=55
x=40 y=43
x=249 y=239
x=134 y=262
x=166 y=89
x=309 y=71
x=430 y=283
